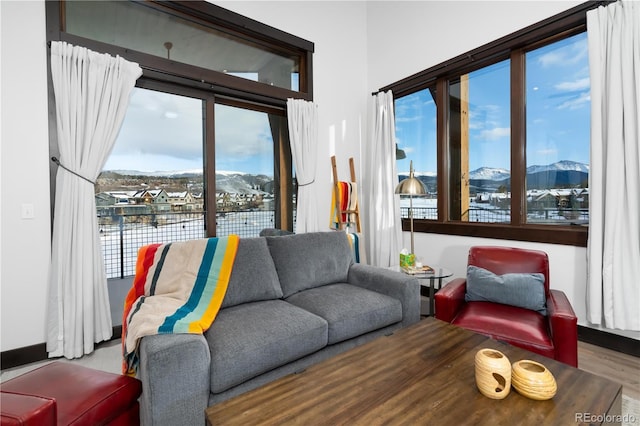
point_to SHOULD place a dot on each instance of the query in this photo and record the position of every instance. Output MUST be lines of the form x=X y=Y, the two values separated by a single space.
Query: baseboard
x=35 y=353
x=616 y=342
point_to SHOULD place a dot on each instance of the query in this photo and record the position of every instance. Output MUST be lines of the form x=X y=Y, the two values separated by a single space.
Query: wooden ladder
x=336 y=184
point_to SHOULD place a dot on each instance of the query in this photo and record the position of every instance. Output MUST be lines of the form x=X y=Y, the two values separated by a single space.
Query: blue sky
x=558 y=112
x=159 y=132
x=164 y=132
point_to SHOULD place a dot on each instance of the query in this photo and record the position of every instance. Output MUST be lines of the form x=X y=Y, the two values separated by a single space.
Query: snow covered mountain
x=159 y=173
x=489 y=173
x=564 y=165
x=243 y=183
x=563 y=172
x=226 y=181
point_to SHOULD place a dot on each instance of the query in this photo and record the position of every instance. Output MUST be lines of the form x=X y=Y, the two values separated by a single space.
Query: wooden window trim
x=514 y=47
x=196 y=77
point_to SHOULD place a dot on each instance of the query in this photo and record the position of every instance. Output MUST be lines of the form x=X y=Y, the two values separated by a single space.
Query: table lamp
x=411 y=186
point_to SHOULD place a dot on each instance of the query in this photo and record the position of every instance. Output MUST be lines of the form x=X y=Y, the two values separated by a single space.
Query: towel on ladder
x=178 y=288
x=346 y=199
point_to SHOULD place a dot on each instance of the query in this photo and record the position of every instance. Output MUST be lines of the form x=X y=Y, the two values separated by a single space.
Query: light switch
x=28 y=211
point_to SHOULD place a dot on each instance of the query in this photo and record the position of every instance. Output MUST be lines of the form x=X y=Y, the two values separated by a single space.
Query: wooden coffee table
x=423 y=374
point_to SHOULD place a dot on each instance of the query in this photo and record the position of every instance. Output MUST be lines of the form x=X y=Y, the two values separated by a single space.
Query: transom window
x=145 y=27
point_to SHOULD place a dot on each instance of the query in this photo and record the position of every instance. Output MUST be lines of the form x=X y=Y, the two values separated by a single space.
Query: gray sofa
x=292 y=301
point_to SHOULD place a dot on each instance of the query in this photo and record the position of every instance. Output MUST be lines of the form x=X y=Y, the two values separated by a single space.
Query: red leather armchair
x=554 y=335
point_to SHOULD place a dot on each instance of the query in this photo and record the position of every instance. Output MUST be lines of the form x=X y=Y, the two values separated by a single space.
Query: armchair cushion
x=517 y=326
x=524 y=290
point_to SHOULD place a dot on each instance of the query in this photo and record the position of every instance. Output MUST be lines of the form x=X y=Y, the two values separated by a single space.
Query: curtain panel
x=91 y=96
x=302 y=117
x=613 y=288
x=381 y=219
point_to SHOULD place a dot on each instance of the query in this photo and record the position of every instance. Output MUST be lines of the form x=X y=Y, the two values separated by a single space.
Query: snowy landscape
x=121 y=239
x=120 y=246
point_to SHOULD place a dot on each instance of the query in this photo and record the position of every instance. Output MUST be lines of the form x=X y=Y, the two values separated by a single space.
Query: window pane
x=151 y=188
x=245 y=185
x=415 y=116
x=479 y=145
x=558 y=131
x=144 y=29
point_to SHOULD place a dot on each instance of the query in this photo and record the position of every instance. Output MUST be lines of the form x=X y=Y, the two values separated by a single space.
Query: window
x=148 y=28
x=512 y=130
x=416 y=139
x=204 y=148
x=245 y=187
x=479 y=143
x=558 y=117
x=151 y=188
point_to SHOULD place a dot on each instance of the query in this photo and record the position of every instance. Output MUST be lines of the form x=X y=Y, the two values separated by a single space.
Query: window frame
x=211 y=86
x=514 y=47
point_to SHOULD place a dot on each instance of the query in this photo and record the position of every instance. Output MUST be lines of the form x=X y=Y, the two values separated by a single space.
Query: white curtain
x=91 y=95
x=613 y=250
x=381 y=219
x=302 y=117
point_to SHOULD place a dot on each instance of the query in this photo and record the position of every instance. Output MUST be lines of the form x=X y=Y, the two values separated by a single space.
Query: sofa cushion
x=250 y=339
x=253 y=260
x=525 y=290
x=349 y=310
x=310 y=260
x=521 y=327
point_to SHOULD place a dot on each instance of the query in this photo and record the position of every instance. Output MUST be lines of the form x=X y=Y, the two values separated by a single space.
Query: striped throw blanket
x=178 y=288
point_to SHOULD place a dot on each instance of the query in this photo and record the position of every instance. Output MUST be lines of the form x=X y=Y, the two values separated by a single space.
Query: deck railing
x=122 y=235
x=497 y=215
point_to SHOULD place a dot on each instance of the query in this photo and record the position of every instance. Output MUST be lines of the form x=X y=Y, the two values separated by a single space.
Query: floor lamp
x=411 y=186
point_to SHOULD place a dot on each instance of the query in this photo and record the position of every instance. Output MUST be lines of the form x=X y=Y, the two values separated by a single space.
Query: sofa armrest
x=563 y=325
x=450 y=299
x=391 y=283
x=175 y=374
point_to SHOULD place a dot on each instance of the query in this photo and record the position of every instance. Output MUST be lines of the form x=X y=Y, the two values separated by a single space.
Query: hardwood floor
x=619 y=367
x=616 y=366
x=422 y=374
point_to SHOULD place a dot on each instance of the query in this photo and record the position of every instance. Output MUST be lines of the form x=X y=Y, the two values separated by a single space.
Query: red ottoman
x=26 y=410
x=74 y=394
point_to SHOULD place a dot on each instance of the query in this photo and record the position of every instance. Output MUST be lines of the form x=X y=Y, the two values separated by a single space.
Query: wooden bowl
x=533 y=380
x=493 y=373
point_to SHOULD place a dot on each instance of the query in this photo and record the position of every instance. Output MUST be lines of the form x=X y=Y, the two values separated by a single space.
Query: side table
x=428 y=279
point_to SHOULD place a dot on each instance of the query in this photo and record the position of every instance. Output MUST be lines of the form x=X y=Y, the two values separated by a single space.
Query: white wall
x=355 y=55
x=24 y=177
x=405 y=37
